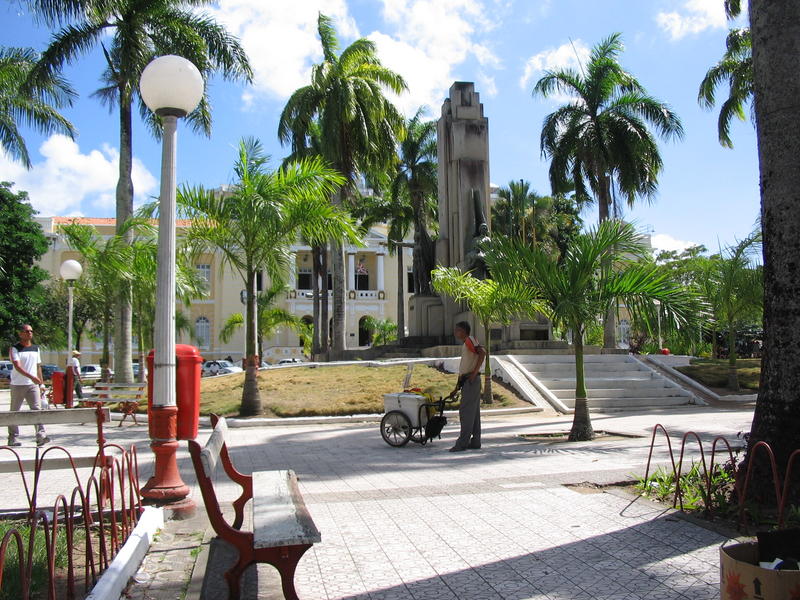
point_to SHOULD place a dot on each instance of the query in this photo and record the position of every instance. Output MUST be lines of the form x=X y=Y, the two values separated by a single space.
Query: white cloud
x=68 y=182
x=664 y=241
x=280 y=38
x=694 y=16
x=487 y=84
x=570 y=55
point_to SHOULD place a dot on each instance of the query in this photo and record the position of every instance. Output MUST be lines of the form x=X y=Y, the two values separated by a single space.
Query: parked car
x=136 y=371
x=290 y=361
x=6 y=366
x=48 y=370
x=91 y=373
x=219 y=367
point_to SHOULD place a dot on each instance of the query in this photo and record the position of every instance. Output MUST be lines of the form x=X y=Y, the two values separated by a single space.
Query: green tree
x=416 y=179
x=774 y=27
x=270 y=319
x=490 y=301
x=356 y=126
x=736 y=69
x=600 y=268
x=131 y=33
x=32 y=105
x=254 y=223
x=383 y=330
x=22 y=243
x=521 y=213
x=603 y=139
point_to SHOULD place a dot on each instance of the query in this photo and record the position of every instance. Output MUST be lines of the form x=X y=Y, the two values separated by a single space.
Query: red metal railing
x=741 y=488
x=106 y=506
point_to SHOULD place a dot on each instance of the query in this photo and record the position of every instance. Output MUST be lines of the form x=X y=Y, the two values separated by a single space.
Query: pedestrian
x=27 y=383
x=75 y=365
x=469 y=382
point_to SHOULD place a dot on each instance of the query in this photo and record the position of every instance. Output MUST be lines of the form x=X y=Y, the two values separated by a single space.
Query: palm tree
x=777 y=91
x=735 y=68
x=357 y=128
x=270 y=318
x=601 y=141
x=32 y=105
x=416 y=179
x=131 y=33
x=599 y=269
x=383 y=330
x=487 y=299
x=254 y=224
x=521 y=212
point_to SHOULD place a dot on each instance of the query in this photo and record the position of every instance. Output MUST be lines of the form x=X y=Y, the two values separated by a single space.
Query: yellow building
x=371 y=282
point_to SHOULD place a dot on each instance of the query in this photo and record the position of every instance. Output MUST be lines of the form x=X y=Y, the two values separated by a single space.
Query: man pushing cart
x=469 y=382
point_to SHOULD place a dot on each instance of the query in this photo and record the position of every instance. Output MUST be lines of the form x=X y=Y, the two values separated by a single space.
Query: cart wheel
x=396 y=428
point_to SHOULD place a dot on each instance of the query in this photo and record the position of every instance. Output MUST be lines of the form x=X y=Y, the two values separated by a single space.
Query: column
x=293 y=271
x=351 y=271
x=379 y=260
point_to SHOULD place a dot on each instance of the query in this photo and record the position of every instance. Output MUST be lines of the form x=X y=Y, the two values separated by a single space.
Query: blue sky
x=707 y=194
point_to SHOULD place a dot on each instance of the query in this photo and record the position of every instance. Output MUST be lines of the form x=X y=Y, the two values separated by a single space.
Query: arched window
x=202 y=331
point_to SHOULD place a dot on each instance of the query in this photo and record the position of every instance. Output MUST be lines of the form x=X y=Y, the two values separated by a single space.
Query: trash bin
x=741 y=577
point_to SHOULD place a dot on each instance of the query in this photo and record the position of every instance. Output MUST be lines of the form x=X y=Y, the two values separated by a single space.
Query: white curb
x=125 y=564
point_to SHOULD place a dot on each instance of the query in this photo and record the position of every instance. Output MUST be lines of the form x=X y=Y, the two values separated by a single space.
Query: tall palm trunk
x=105 y=358
x=401 y=295
x=141 y=345
x=339 y=282
x=424 y=259
x=581 y=423
x=324 y=334
x=251 y=398
x=733 y=379
x=488 y=398
x=123 y=327
x=775 y=30
x=609 y=322
x=316 y=273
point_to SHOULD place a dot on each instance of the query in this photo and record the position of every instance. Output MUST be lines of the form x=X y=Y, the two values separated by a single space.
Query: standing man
x=26 y=382
x=469 y=381
x=75 y=365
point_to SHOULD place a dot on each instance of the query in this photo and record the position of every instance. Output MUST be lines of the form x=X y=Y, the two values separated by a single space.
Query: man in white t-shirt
x=27 y=383
x=469 y=381
x=75 y=364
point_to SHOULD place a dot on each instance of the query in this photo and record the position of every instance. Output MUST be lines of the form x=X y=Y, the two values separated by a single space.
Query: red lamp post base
x=166 y=488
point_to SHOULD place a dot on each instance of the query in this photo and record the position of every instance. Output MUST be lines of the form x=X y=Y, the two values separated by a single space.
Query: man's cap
x=75 y=353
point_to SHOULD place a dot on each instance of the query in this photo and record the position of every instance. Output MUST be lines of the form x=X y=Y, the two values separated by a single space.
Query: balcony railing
x=351 y=294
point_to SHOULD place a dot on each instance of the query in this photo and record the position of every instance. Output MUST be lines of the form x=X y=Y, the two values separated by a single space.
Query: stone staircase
x=614 y=382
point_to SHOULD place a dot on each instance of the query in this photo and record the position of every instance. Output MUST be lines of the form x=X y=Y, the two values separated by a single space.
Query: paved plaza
x=419 y=522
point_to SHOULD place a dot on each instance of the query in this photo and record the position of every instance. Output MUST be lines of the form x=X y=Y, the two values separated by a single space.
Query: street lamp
x=658 y=308
x=70 y=270
x=171 y=87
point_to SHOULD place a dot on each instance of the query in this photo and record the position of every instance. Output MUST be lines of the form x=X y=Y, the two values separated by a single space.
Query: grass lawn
x=713 y=372
x=303 y=391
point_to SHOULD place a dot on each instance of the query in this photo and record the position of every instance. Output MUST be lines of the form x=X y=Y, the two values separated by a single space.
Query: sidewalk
x=419 y=522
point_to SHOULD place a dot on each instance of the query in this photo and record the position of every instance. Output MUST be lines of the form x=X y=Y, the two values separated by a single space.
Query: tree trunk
x=733 y=379
x=324 y=335
x=105 y=358
x=339 y=301
x=487 y=369
x=609 y=321
x=775 y=30
x=142 y=348
x=251 y=398
x=581 y=423
x=316 y=270
x=123 y=328
x=714 y=349
x=424 y=260
x=401 y=295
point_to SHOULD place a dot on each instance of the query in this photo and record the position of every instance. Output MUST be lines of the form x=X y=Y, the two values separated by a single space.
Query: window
x=304 y=279
x=204 y=272
x=202 y=331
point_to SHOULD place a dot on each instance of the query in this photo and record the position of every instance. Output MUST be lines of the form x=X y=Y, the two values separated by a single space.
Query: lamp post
x=171 y=87
x=658 y=308
x=70 y=270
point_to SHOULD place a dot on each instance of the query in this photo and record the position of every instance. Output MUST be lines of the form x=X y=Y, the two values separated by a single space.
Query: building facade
x=371 y=282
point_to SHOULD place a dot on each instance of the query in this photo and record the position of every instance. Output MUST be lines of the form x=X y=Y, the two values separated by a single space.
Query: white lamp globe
x=70 y=270
x=171 y=85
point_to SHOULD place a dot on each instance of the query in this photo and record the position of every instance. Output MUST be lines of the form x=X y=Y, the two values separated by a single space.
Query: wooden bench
x=282 y=527
x=127 y=395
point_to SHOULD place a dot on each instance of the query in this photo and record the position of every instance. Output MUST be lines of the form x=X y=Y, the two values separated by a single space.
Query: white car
x=219 y=367
x=290 y=361
x=6 y=366
x=93 y=372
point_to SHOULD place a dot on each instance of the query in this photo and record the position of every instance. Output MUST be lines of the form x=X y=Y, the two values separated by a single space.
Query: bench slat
x=52 y=417
x=280 y=517
x=114 y=394
x=209 y=455
x=111 y=386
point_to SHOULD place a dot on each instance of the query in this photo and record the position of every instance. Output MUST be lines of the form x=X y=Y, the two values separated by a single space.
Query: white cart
x=407 y=416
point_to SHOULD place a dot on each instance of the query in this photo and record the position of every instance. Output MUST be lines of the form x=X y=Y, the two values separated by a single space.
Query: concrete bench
x=282 y=527
x=127 y=395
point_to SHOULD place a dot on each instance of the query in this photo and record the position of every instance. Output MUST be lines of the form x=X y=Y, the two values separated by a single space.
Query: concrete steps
x=613 y=382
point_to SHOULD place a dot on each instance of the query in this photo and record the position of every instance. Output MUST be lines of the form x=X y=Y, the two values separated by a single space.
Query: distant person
x=27 y=383
x=75 y=365
x=469 y=381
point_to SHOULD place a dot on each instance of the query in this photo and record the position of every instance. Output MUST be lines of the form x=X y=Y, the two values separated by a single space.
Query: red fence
x=781 y=488
x=106 y=507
